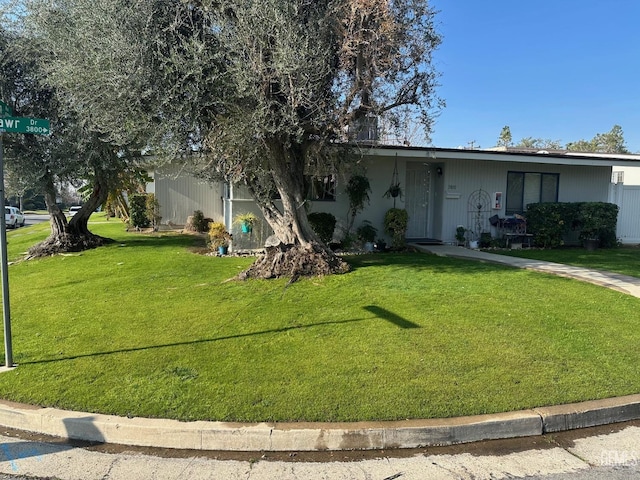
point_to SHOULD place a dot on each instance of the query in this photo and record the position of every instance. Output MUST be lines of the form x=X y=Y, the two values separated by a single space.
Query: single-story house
x=442 y=189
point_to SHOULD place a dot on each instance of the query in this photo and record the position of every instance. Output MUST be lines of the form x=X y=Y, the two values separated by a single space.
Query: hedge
x=550 y=222
x=323 y=224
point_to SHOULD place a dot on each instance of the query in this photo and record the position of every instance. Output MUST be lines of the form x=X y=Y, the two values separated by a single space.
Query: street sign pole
x=9 y=123
x=8 y=348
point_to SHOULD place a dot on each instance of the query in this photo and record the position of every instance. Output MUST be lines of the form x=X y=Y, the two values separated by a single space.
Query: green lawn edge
x=150 y=327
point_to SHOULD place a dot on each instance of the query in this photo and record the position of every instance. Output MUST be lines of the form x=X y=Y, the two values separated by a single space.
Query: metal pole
x=8 y=350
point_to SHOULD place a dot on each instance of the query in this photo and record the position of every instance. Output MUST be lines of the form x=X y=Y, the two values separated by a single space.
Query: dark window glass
x=524 y=188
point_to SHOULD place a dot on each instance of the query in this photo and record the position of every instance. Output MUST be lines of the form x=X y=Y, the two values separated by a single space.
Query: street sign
x=5 y=110
x=37 y=126
x=11 y=124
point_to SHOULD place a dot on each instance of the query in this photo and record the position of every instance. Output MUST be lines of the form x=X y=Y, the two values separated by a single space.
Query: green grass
x=147 y=327
x=625 y=260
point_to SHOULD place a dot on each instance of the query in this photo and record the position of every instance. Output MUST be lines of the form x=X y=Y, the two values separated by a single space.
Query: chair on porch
x=512 y=229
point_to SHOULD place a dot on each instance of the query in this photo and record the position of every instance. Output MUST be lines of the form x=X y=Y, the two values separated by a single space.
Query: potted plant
x=246 y=221
x=367 y=235
x=485 y=239
x=219 y=237
x=461 y=235
x=393 y=191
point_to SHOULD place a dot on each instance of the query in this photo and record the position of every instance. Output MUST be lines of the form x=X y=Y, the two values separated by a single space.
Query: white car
x=74 y=209
x=13 y=217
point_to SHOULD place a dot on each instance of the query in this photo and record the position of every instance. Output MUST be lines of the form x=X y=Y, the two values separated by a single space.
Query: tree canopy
x=610 y=142
x=252 y=92
x=72 y=153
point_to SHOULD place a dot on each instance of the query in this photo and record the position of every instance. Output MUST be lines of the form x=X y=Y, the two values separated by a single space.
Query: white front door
x=418 y=193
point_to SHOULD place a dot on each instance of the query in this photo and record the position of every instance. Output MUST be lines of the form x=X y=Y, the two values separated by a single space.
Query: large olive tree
x=253 y=92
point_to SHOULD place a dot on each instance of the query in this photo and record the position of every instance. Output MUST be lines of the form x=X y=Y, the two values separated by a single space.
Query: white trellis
x=478 y=213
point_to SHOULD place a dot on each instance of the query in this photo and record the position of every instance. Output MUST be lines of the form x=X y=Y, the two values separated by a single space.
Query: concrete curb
x=146 y=432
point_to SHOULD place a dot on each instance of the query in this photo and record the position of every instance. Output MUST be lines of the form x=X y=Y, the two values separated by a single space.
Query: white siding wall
x=451 y=191
x=461 y=178
x=379 y=172
x=180 y=195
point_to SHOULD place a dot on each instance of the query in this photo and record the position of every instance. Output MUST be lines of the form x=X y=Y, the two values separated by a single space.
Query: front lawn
x=148 y=327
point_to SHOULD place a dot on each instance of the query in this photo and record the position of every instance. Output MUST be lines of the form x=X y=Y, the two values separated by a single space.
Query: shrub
x=323 y=224
x=200 y=223
x=138 y=211
x=152 y=210
x=599 y=220
x=357 y=189
x=551 y=221
x=485 y=239
x=367 y=232
x=218 y=235
x=395 y=224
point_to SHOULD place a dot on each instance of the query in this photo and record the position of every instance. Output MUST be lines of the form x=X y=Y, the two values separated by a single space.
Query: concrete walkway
x=616 y=281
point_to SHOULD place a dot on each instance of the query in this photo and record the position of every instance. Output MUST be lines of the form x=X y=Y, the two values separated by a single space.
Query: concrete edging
x=146 y=432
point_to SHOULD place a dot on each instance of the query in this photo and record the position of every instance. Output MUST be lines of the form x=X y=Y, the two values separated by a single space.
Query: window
x=524 y=188
x=322 y=188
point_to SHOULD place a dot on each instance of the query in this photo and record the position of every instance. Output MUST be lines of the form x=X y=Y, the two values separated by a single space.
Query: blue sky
x=554 y=69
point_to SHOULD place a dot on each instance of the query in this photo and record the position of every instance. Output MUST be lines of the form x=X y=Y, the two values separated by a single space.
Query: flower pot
x=246 y=227
x=223 y=250
x=473 y=244
x=381 y=246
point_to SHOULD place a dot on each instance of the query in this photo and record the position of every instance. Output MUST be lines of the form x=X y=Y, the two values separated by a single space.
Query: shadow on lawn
x=422 y=261
x=390 y=317
x=160 y=240
x=378 y=313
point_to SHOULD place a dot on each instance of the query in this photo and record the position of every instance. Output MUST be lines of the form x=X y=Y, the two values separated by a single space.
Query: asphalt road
x=31 y=219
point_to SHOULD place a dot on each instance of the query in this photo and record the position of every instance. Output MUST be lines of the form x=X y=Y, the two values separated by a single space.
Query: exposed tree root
x=294 y=262
x=65 y=243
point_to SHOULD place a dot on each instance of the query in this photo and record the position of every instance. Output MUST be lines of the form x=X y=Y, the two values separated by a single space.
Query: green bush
x=485 y=239
x=367 y=232
x=152 y=209
x=599 y=220
x=138 y=211
x=200 y=223
x=550 y=222
x=323 y=224
x=396 y=221
x=357 y=189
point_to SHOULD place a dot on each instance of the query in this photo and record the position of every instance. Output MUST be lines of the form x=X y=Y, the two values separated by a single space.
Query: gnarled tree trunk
x=297 y=251
x=72 y=235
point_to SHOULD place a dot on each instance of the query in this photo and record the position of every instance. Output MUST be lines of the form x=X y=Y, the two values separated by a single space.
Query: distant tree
x=540 y=143
x=505 y=139
x=610 y=142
